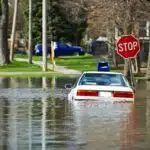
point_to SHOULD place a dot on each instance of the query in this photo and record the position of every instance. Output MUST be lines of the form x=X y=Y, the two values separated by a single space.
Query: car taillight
x=124 y=94
x=87 y=93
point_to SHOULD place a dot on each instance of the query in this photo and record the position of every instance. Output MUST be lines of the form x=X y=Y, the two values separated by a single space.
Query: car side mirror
x=68 y=86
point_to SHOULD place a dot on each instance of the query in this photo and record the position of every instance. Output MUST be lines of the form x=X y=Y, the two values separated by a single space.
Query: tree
x=20 y=18
x=44 y=34
x=125 y=15
x=30 y=33
x=59 y=25
x=75 y=12
x=4 y=52
x=13 y=30
x=59 y=29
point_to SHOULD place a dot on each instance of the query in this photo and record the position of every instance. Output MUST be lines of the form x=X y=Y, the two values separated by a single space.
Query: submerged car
x=61 y=49
x=108 y=86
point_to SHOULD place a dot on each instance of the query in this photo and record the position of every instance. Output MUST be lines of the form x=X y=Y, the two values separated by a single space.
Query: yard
x=80 y=63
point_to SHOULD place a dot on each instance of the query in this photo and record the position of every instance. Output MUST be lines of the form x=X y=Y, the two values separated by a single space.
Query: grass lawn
x=20 y=67
x=23 y=69
x=80 y=63
x=36 y=58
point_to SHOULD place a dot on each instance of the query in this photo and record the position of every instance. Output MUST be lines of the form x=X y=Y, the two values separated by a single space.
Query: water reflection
x=106 y=123
x=41 y=118
x=58 y=82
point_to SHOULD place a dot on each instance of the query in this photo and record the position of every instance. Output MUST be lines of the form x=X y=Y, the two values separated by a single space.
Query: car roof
x=103 y=72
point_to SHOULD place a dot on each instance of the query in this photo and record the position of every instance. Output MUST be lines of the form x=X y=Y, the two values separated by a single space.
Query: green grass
x=80 y=63
x=21 y=56
x=23 y=69
x=20 y=67
x=24 y=56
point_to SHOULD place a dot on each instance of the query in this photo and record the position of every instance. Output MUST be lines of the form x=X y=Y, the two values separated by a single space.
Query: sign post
x=128 y=47
x=52 y=55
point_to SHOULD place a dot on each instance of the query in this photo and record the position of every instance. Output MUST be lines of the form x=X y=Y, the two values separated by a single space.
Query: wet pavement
x=35 y=115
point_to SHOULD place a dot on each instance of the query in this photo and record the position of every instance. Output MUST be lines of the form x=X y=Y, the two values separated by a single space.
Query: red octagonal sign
x=127 y=46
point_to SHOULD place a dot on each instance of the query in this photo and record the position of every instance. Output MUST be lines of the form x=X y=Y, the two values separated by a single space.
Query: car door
x=63 y=50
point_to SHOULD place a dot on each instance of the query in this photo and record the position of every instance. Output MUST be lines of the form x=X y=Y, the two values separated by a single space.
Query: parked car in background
x=38 y=49
x=61 y=49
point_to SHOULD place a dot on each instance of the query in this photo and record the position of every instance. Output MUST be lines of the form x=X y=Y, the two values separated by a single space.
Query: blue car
x=61 y=49
x=38 y=49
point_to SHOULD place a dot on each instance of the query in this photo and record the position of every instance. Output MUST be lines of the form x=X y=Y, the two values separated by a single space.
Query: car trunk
x=104 y=91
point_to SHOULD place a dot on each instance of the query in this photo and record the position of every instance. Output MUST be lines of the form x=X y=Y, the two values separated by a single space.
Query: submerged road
x=35 y=115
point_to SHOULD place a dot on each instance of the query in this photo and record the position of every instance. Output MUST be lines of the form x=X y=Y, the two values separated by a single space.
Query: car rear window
x=102 y=79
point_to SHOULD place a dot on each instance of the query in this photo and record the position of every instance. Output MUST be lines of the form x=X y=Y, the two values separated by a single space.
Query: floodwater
x=35 y=115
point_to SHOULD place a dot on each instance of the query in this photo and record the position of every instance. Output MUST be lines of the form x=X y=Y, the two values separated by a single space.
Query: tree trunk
x=44 y=33
x=30 y=33
x=137 y=59
x=126 y=67
x=4 y=52
x=114 y=51
x=128 y=28
x=13 y=30
x=115 y=60
x=111 y=48
x=138 y=64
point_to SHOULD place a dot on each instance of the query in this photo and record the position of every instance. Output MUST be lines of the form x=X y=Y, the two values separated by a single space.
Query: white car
x=108 y=86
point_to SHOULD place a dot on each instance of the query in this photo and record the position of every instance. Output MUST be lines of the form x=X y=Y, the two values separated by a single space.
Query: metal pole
x=131 y=73
x=44 y=35
x=148 y=61
x=30 y=33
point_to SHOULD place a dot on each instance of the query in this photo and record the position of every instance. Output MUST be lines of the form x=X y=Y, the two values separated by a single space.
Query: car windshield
x=102 y=79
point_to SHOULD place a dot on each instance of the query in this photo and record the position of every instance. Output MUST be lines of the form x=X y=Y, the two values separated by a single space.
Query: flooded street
x=35 y=115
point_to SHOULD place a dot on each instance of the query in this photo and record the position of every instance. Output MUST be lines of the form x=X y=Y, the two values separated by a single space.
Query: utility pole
x=44 y=35
x=13 y=29
x=148 y=61
x=30 y=34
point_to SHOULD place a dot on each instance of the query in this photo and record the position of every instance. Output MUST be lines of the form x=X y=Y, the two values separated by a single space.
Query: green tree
x=76 y=13
x=59 y=27
x=36 y=20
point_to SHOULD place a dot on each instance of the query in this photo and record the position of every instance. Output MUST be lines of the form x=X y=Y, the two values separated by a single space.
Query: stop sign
x=127 y=46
